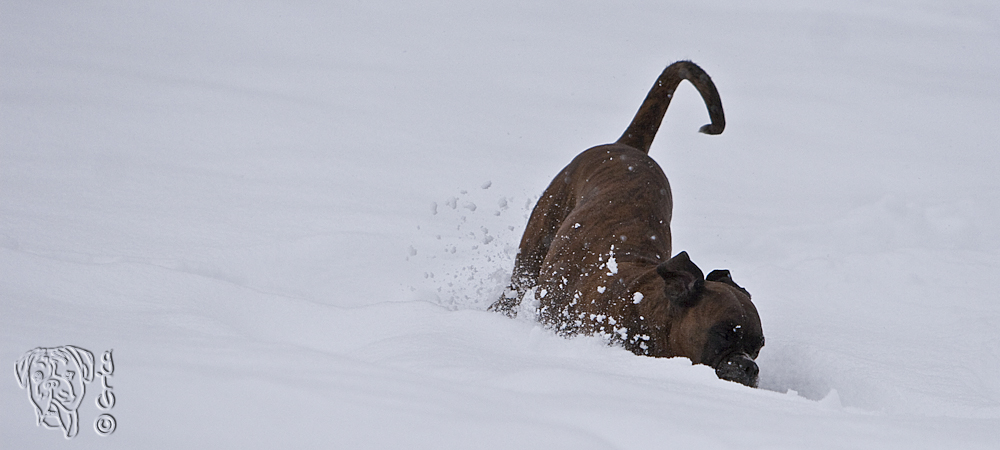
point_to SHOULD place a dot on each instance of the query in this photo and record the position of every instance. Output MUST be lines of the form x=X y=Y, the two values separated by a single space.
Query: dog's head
x=712 y=320
x=56 y=380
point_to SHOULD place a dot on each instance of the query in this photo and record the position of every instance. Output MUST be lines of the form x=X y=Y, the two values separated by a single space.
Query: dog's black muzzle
x=739 y=368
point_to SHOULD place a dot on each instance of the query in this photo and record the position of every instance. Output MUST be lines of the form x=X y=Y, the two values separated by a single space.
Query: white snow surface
x=276 y=214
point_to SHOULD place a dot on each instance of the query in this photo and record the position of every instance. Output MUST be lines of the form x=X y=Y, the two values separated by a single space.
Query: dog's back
x=615 y=233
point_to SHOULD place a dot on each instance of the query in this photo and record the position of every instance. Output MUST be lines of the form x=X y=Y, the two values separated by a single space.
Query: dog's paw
x=507 y=304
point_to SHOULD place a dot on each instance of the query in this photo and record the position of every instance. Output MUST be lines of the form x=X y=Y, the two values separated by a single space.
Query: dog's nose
x=739 y=368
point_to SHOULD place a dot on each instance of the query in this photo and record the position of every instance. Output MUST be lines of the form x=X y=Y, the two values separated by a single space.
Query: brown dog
x=596 y=252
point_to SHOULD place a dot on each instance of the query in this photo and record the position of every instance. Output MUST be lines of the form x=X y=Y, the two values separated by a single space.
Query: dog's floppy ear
x=83 y=358
x=684 y=280
x=723 y=276
x=24 y=366
x=720 y=275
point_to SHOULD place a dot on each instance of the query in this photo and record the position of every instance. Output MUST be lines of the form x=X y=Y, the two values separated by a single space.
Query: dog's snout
x=739 y=368
x=64 y=394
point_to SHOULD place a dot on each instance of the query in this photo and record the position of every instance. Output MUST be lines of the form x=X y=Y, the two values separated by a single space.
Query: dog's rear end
x=570 y=187
x=597 y=252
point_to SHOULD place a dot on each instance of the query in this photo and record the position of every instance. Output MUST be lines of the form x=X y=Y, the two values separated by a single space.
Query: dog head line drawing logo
x=56 y=381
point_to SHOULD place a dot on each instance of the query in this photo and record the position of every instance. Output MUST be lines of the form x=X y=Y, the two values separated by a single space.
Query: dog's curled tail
x=642 y=130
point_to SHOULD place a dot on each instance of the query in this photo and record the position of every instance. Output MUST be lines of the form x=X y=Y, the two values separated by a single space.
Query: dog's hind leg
x=642 y=130
x=546 y=218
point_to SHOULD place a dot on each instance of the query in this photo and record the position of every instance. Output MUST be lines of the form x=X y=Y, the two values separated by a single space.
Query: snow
x=288 y=219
